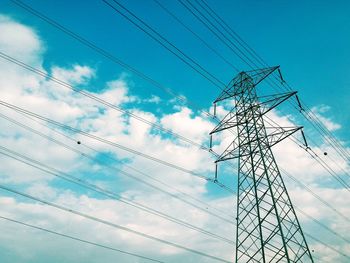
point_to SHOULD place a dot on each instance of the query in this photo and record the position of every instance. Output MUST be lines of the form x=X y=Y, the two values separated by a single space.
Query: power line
x=79 y=239
x=319 y=198
x=338 y=179
x=330 y=247
x=195 y=34
x=317 y=158
x=114 y=225
x=160 y=39
x=67 y=177
x=94 y=137
x=309 y=116
x=43 y=74
x=109 y=56
x=115 y=60
x=318 y=222
x=108 y=165
x=117 y=145
x=322 y=225
x=325 y=133
x=104 y=53
x=221 y=36
x=231 y=33
x=97 y=99
x=322 y=163
x=147 y=25
x=127 y=229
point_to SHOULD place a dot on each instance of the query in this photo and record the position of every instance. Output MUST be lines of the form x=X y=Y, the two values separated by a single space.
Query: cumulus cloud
x=19 y=40
x=59 y=103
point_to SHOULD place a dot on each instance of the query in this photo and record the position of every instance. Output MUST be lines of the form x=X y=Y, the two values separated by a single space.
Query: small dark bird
x=325 y=153
x=78 y=142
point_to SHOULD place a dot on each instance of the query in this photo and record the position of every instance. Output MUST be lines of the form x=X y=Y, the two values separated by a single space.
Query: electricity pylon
x=267 y=227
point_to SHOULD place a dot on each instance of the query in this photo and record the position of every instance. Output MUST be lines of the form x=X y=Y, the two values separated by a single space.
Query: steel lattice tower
x=267 y=227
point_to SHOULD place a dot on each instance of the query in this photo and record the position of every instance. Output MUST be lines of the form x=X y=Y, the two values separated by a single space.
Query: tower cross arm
x=270 y=102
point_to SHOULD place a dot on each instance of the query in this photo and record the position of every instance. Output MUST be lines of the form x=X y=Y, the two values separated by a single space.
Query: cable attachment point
x=281 y=77
x=211 y=143
x=214 y=110
x=299 y=104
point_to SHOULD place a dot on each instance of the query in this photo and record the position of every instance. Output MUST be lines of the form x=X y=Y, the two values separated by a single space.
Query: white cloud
x=57 y=102
x=39 y=95
x=326 y=121
x=184 y=121
x=75 y=75
x=19 y=40
x=153 y=99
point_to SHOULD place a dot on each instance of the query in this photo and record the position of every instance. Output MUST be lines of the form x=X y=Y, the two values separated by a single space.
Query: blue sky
x=309 y=40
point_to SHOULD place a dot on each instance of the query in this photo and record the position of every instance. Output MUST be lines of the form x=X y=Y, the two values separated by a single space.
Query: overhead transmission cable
x=113 y=167
x=104 y=53
x=212 y=28
x=118 y=61
x=123 y=7
x=83 y=183
x=105 y=141
x=309 y=114
x=177 y=19
x=18 y=222
x=108 y=223
x=164 y=42
x=321 y=162
x=58 y=81
x=316 y=158
x=131 y=230
x=109 y=56
x=83 y=154
x=97 y=99
x=190 y=11
x=251 y=52
x=323 y=225
x=318 y=222
x=14 y=0
x=233 y=34
x=113 y=144
x=326 y=245
x=40 y=15
x=319 y=198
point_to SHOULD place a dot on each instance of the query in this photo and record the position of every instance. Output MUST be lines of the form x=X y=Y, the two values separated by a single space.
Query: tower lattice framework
x=267 y=226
